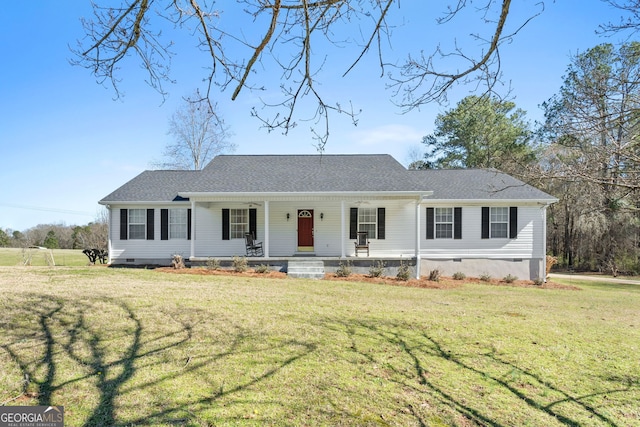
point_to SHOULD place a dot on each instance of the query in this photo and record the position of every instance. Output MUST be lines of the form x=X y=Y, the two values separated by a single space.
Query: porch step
x=306 y=269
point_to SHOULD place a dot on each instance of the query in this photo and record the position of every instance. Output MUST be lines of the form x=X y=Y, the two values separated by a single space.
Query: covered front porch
x=318 y=226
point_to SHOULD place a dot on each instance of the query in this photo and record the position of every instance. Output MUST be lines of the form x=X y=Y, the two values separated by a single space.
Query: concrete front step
x=306 y=269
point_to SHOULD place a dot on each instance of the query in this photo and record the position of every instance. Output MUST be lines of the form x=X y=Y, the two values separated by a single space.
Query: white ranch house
x=473 y=221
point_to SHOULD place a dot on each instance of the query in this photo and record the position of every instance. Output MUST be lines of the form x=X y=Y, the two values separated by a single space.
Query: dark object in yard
x=94 y=254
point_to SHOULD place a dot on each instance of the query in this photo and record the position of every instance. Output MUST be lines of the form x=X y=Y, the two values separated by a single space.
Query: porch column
x=343 y=230
x=418 y=238
x=193 y=229
x=109 y=224
x=266 y=229
x=544 y=243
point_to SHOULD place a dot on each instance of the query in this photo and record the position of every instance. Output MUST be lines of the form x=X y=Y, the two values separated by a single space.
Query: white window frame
x=443 y=223
x=499 y=222
x=133 y=219
x=368 y=221
x=178 y=220
x=238 y=223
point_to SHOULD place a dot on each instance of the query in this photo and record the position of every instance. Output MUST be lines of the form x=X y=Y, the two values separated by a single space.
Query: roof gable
x=303 y=174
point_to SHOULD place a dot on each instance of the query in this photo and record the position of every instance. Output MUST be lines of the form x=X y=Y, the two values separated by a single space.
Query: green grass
x=38 y=257
x=139 y=347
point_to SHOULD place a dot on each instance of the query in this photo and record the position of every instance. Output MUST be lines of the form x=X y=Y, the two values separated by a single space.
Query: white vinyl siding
x=137 y=224
x=529 y=242
x=141 y=250
x=328 y=232
x=499 y=222
x=177 y=223
x=283 y=233
x=208 y=241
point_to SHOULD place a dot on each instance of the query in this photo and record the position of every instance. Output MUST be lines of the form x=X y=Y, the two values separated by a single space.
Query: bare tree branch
x=284 y=33
x=199 y=134
x=258 y=50
x=630 y=22
x=422 y=80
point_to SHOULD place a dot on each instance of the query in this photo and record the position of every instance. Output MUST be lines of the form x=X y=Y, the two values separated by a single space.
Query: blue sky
x=66 y=143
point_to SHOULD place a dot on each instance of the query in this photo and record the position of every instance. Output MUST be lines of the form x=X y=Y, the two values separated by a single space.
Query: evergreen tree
x=4 y=239
x=51 y=241
x=592 y=127
x=480 y=132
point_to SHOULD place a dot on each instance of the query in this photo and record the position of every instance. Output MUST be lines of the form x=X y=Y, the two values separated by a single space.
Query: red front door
x=305 y=228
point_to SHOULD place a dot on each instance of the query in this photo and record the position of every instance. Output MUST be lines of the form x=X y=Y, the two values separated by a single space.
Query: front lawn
x=140 y=347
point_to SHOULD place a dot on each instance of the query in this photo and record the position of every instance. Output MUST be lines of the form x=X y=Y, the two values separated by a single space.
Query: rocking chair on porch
x=253 y=248
x=362 y=242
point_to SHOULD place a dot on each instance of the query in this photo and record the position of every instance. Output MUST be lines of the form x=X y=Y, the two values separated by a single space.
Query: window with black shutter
x=225 y=224
x=124 y=224
x=513 y=222
x=499 y=222
x=371 y=220
x=381 y=223
x=444 y=223
x=457 y=223
x=150 y=224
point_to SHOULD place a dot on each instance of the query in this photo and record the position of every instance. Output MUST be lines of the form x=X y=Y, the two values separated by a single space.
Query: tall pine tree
x=480 y=132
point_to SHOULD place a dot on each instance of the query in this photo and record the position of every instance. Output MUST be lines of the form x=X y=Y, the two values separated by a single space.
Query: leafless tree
x=415 y=158
x=288 y=35
x=100 y=230
x=199 y=134
x=594 y=121
x=593 y=126
x=628 y=22
x=93 y=235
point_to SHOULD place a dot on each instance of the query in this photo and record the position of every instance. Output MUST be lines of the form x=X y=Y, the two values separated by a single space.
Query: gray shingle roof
x=303 y=174
x=477 y=184
x=322 y=173
x=153 y=186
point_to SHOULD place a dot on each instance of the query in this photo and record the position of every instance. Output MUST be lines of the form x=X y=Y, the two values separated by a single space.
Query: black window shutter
x=485 y=222
x=353 y=223
x=124 y=224
x=225 y=224
x=164 y=224
x=188 y=224
x=513 y=222
x=150 y=224
x=430 y=223
x=457 y=223
x=381 y=223
x=253 y=222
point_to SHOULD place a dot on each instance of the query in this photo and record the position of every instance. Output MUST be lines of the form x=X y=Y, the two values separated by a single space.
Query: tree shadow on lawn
x=45 y=333
x=62 y=343
x=426 y=380
x=44 y=311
